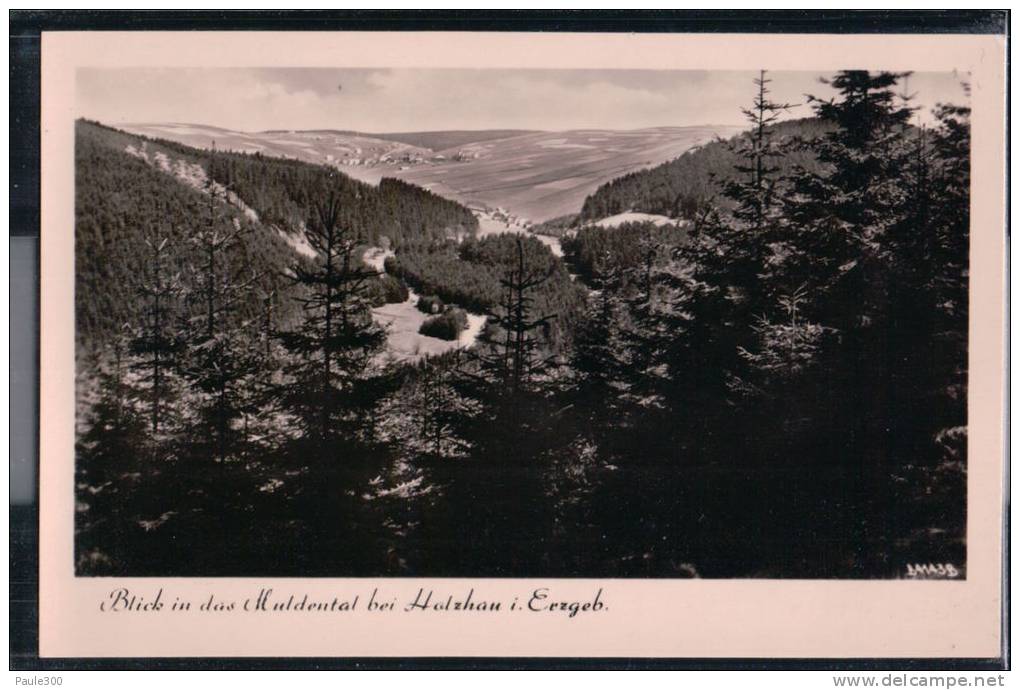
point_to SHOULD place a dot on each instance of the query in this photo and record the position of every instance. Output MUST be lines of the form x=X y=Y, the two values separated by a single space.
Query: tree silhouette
x=157 y=340
x=335 y=343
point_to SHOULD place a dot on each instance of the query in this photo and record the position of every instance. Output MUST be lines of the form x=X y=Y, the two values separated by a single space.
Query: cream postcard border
x=643 y=618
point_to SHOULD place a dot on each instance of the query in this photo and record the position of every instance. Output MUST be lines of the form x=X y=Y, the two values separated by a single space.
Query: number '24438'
x=932 y=570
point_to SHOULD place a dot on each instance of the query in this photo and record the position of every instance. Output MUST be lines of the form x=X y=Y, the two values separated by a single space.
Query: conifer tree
x=512 y=362
x=950 y=225
x=506 y=383
x=220 y=357
x=754 y=190
x=333 y=348
x=599 y=356
x=950 y=178
x=115 y=427
x=642 y=330
x=839 y=217
x=838 y=251
x=732 y=253
x=157 y=342
x=436 y=407
x=744 y=236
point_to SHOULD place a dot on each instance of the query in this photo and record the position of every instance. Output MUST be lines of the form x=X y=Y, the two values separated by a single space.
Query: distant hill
x=441 y=141
x=323 y=147
x=548 y=174
x=679 y=187
x=533 y=175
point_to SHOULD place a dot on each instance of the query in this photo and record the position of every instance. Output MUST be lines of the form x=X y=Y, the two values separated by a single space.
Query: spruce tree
x=512 y=362
x=836 y=249
x=435 y=407
x=333 y=348
x=506 y=383
x=837 y=219
x=729 y=255
x=599 y=358
x=950 y=179
x=157 y=340
x=745 y=234
x=116 y=429
x=220 y=358
x=642 y=330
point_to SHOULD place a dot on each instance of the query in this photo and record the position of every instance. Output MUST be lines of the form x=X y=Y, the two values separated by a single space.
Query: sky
x=402 y=100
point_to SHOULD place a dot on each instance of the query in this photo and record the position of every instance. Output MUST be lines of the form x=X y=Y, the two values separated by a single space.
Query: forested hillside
x=281 y=191
x=683 y=187
x=128 y=187
x=123 y=203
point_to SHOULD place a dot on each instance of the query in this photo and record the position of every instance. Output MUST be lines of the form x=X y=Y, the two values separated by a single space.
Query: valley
x=507 y=353
x=500 y=177
x=509 y=180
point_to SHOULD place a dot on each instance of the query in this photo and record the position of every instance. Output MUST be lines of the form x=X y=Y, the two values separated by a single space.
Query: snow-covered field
x=634 y=217
x=405 y=343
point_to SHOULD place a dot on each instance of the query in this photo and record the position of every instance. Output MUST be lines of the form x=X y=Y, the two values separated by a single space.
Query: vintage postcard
x=528 y=345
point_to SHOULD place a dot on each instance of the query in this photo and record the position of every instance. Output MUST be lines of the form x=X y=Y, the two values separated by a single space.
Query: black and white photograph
x=521 y=323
